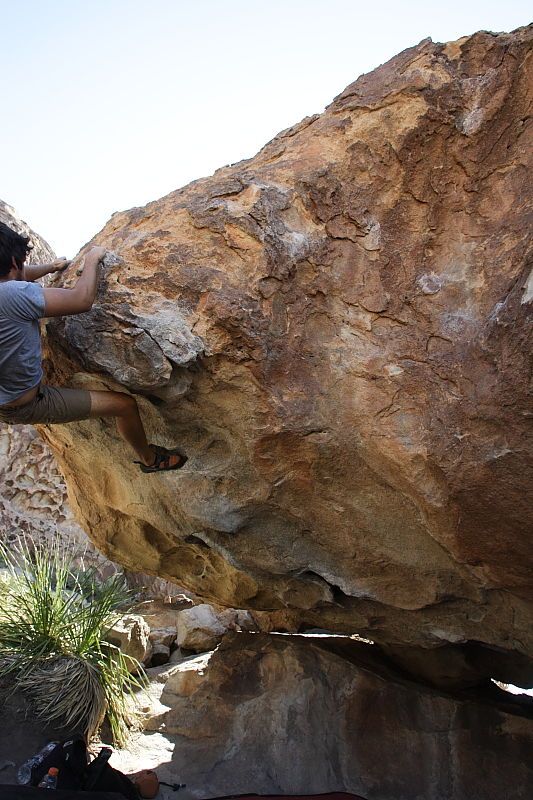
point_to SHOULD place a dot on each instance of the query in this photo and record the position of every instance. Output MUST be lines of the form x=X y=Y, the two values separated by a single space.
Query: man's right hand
x=97 y=252
x=95 y=255
x=79 y=299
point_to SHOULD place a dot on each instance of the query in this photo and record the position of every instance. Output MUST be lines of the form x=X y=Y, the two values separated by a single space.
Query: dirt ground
x=20 y=736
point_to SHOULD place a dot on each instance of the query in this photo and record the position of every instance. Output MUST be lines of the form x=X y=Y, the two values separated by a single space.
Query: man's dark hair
x=12 y=245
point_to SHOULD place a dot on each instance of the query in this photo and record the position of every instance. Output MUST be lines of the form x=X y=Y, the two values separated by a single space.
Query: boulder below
x=283 y=715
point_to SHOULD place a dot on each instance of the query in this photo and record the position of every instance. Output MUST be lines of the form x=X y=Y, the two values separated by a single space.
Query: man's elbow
x=86 y=305
x=84 y=301
x=65 y=302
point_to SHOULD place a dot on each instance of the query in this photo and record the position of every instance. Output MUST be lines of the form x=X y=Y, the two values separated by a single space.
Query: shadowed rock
x=279 y=715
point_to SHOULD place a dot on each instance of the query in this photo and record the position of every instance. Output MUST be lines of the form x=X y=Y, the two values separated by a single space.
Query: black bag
x=75 y=772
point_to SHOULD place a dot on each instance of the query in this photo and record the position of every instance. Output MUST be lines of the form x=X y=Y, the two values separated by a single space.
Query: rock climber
x=24 y=398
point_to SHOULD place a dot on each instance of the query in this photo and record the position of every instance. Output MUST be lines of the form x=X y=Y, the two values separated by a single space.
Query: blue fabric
x=21 y=306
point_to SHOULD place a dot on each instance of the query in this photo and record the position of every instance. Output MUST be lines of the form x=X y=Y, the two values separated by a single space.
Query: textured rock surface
x=34 y=508
x=336 y=332
x=164 y=636
x=275 y=715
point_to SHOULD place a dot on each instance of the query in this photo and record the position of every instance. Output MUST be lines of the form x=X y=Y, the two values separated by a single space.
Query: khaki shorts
x=51 y=405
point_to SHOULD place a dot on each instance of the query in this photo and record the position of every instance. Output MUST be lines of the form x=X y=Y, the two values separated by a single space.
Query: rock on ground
x=335 y=331
x=202 y=628
x=132 y=634
x=282 y=715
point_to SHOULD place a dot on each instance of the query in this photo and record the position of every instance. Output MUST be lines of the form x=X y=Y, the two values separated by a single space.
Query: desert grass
x=53 y=621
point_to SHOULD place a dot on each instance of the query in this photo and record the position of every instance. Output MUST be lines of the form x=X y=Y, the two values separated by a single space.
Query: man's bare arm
x=34 y=271
x=63 y=302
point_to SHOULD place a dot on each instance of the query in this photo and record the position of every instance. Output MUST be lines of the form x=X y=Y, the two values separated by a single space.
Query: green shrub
x=53 y=618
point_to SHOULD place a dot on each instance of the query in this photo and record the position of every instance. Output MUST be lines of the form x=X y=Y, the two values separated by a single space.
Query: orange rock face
x=335 y=330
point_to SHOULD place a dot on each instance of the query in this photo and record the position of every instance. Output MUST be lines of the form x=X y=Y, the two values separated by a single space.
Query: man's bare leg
x=124 y=408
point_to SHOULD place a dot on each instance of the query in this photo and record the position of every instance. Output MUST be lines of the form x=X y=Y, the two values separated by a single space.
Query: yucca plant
x=53 y=618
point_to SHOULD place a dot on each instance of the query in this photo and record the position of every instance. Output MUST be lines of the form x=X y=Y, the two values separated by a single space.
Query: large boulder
x=280 y=715
x=335 y=331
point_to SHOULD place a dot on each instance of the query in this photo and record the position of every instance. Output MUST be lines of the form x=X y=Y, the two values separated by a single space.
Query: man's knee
x=126 y=404
x=112 y=404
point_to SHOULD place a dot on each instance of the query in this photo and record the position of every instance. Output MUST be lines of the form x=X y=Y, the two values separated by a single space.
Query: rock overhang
x=336 y=332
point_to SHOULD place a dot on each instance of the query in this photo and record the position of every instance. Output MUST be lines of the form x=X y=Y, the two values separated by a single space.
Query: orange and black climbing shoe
x=165 y=460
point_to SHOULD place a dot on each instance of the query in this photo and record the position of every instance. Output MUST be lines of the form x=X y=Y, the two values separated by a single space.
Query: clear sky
x=108 y=104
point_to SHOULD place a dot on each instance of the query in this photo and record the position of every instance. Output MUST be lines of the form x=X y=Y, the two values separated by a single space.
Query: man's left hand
x=60 y=264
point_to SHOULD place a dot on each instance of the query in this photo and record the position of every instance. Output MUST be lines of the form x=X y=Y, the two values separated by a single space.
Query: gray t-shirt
x=21 y=306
